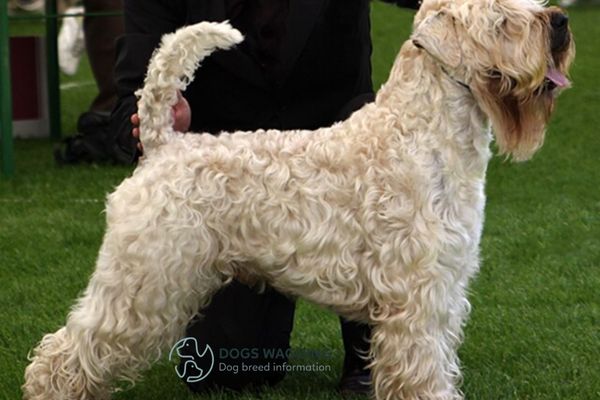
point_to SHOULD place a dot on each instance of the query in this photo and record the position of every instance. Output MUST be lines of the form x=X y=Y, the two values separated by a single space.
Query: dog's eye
x=494 y=74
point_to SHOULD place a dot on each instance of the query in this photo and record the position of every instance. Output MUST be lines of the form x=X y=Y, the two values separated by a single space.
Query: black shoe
x=90 y=145
x=355 y=382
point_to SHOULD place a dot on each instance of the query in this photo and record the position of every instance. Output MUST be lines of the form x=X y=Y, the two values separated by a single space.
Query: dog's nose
x=560 y=31
x=559 y=21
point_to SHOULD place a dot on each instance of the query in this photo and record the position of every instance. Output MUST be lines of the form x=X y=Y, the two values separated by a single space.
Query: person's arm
x=145 y=23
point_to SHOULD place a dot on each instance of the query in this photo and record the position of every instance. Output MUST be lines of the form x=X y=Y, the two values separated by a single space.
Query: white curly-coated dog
x=378 y=217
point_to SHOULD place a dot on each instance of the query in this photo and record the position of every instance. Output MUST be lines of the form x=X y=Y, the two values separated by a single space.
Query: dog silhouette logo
x=194 y=365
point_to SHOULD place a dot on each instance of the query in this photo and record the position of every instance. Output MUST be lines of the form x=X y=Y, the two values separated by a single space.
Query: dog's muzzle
x=560 y=32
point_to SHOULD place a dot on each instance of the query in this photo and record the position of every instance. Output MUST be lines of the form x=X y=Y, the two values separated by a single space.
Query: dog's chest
x=458 y=202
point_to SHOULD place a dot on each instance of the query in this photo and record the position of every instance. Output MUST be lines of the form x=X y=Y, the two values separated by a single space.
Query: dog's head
x=513 y=54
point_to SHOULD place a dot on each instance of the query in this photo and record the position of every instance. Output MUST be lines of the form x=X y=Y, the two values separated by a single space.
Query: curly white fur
x=378 y=217
x=171 y=69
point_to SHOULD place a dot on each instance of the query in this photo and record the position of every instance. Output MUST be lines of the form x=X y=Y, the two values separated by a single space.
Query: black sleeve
x=145 y=23
x=415 y=4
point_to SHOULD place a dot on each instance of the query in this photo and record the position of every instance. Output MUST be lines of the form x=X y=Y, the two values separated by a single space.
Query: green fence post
x=53 y=76
x=6 y=146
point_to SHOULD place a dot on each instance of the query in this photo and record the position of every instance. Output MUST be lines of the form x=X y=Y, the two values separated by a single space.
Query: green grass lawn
x=535 y=328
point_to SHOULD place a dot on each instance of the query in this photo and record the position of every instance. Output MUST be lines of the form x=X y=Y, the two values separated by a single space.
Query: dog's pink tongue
x=558 y=78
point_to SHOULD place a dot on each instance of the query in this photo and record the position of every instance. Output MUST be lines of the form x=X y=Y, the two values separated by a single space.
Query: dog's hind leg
x=144 y=291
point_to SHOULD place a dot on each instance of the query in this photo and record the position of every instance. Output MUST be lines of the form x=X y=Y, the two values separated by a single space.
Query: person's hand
x=182 y=118
x=182 y=114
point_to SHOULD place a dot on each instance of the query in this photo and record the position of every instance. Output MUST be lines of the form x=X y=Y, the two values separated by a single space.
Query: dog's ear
x=437 y=35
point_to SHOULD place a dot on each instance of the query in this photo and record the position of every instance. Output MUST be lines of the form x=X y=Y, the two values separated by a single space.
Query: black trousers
x=248 y=330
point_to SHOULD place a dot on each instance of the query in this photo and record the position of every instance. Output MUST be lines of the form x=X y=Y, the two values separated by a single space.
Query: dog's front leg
x=414 y=354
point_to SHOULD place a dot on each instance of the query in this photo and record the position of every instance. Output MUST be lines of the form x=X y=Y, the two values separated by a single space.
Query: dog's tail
x=171 y=69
